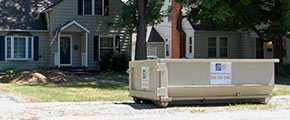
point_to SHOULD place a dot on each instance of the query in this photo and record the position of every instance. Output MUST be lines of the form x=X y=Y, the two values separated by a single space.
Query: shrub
x=116 y=62
x=46 y=68
x=11 y=70
x=120 y=62
x=105 y=62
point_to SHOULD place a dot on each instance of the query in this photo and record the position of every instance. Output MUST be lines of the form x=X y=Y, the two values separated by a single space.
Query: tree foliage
x=270 y=19
x=129 y=15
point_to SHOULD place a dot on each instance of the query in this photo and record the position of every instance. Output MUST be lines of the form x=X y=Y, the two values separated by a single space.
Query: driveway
x=11 y=108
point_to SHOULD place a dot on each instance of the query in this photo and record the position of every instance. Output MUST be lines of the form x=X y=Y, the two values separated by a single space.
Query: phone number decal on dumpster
x=221 y=73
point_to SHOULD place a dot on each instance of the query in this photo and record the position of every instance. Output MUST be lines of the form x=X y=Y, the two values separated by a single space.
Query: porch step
x=75 y=70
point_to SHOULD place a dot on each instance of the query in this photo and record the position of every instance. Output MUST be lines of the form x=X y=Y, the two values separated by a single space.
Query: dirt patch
x=39 y=76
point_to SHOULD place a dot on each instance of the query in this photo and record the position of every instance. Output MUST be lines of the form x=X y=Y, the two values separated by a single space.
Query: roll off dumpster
x=202 y=80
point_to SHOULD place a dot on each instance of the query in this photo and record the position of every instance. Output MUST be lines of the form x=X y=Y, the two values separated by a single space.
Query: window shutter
x=107 y=7
x=36 y=48
x=96 y=48
x=80 y=7
x=2 y=48
x=117 y=43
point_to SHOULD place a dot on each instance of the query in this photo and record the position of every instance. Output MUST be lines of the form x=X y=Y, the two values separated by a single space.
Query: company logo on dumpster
x=145 y=77
x=221 y=73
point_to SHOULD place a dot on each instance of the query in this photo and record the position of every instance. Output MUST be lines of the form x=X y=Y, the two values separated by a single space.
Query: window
x=107 y=46
x=190 y=45
x=212 y=47
x=167 y=48
x=223 y=47
x=217 y=47
x=169 y=15
x=93 y=7
x=19 y=48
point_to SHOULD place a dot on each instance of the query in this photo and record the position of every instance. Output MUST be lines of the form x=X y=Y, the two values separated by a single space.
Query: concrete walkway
x=6 y=99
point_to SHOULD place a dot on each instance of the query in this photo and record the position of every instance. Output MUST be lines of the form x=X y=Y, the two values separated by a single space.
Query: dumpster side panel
x=188 y=73
x=192 y=79
x=139 y=90
x=198 y=73
x=253 y=73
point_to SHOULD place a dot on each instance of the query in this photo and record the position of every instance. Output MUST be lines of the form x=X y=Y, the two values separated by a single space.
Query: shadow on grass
x=87 y=84
x=116 y=76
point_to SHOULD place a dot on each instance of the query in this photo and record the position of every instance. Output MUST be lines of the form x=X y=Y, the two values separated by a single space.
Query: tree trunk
x=278 y=54
x=141 y=45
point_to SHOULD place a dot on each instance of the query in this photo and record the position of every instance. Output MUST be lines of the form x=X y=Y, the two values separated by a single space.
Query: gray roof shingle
x=23 y=14
x=155 y=36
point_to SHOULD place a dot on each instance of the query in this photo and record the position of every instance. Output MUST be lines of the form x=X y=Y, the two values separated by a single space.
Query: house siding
x=245 y=42
x=27 y=65
x=201 y=43
x=156 y=49
x=67 y=11
x=165 y=28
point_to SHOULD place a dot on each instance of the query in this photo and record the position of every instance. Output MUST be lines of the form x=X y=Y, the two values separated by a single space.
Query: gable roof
x=23 y=14
x=155 y=36
x=73 y=22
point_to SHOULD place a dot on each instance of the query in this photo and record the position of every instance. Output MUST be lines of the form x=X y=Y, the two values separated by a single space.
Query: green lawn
x=88 y=91
x=281 y=90
x=70 y=92
x=118 y=76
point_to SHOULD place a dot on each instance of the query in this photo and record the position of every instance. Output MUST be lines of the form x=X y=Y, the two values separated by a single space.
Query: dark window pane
x=223 y=52
x=107 y=42
x=190 y=40
x=167 y=50
x=212 y=42
x=19 y=47
x=223 y=42
x=212 y=52
x=98 y=7
x=29 y=47
x=88 y=7
x=190 y=49
x=8 y=47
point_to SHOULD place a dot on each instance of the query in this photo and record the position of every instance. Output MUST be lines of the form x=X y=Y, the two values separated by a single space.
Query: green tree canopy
x=270 y=19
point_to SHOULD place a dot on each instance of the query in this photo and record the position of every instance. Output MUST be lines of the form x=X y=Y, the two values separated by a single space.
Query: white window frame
x=93 y=8
x=26 y=48
x=99 y=43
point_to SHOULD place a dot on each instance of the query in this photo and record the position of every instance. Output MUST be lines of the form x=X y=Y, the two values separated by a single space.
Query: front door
x=65 y=50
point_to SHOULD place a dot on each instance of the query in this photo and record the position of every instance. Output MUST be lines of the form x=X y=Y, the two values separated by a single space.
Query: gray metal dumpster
x=201 y=80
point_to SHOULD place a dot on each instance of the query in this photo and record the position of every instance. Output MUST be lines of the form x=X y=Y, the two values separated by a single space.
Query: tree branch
x=260 y=34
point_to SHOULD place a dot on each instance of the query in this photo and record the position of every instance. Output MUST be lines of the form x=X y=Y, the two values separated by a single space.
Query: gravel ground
x=12 y=109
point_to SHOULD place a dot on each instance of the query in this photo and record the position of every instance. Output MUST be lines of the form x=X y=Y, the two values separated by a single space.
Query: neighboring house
x=200 y=41
x=28 y=26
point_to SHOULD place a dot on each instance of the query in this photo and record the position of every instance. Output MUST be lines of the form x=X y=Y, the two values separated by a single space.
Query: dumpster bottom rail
x=222 y=98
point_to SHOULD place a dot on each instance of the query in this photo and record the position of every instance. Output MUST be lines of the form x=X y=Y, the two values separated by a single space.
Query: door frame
x=70 y=36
